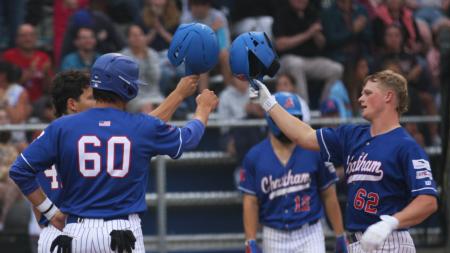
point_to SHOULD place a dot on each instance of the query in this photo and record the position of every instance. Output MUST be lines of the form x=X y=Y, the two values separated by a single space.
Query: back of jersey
x=103 y=156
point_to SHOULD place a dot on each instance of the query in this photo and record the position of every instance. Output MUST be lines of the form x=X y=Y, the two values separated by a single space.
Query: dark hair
x=12 y=72
x=68 y=84
x=106 y=96
x=200 y=2
x=288 y=76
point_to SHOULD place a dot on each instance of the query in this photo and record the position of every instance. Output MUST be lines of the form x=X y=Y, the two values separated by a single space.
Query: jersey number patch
x=94 y=158
x=367 y=201
x=302 y=204
x=53 y=174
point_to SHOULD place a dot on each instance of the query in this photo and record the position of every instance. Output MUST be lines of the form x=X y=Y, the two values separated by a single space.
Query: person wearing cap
x=285 y=188
x=102 y=158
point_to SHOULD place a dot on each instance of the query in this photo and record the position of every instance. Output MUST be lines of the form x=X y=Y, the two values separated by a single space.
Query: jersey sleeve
x=326 y=175
x=418 y=171
x=247 y=176
x=331 y=143
x=37 y=157
x=173 y=141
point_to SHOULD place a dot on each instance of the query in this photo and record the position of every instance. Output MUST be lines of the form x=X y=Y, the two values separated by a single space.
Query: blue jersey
x=383 y=172
x=102 y=157
x=288 y=196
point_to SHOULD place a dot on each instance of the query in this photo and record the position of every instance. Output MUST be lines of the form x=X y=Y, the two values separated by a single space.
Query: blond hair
x=392 y=80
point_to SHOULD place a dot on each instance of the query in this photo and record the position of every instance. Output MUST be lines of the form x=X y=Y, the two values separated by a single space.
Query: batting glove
x=375 y=234
x=63 y=243
x=252 y=247
x=263 y=96
x=341 y=244
x=122 y=241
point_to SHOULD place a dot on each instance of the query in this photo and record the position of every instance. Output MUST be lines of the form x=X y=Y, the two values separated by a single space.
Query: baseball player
x=102 y=156
x=390 y=184
x=71 y=93
x=284 y=187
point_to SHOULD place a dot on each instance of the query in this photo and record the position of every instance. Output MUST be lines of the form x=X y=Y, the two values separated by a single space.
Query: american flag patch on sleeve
x=104 y=123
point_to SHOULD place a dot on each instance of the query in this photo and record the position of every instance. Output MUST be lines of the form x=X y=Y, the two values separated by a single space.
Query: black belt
x=77 y=219
x=351 y=237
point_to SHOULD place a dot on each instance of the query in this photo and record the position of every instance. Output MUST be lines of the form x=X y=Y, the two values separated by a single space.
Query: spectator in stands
x=234 y=104
x=286 y=82
x=300 y=42
x=371 y=7
x=14 y=101
x=62 y=11
x=108 y=38
x=85 y=56
x=201 y=11
x=12 y=15
x=430 y=17
x=9 y=193
x=394 y=12
x=418 y=76
x=160 y=19
x=149 y=71
x=247 y=16
x=35 y=64
x=353 y=80
x=347 y=30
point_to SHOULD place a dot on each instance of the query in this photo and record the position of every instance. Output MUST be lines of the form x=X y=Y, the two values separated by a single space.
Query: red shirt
x=41 y=62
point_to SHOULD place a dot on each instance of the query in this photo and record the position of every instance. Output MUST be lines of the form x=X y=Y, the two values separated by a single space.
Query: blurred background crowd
x=326 y=48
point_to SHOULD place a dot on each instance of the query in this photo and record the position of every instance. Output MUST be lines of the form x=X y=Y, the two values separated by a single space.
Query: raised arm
x=295 y=129
x=185 y=88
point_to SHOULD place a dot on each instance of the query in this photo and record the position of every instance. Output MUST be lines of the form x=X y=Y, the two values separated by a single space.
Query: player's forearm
x=333 y=210
x=295 y=129
x=250 y=216
x=168 y=107
x=202 y=114
x=36 y=197
x=417 y=211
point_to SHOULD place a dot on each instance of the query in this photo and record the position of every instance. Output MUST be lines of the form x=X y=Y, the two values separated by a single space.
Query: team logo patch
x=289 y=183
x=289 y=103
x=424 y=174
x=363 y=169
x=421 y=164
x=104 y=123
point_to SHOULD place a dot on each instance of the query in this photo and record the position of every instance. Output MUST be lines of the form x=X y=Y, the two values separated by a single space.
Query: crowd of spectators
x=326 y=49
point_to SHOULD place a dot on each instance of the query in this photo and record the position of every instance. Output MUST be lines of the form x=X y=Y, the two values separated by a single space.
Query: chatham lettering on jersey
x=286 y=184
x=363 y=169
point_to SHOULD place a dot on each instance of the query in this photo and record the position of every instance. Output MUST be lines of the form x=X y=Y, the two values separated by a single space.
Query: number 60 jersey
x=102 y=157
x=383 y=173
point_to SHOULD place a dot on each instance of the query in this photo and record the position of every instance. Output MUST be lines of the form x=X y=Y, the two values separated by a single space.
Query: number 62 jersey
x=383 y=173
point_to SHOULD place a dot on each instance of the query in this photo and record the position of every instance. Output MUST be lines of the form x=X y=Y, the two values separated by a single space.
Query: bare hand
x=218 y=23
x=207 y=99
x=315 y=28
x=187 y=85
x=359 y=23
x=59 y=220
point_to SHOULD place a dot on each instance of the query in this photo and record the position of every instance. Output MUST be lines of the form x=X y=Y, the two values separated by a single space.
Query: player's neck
x=118 y=105
x=283 y=147
x=384 y=123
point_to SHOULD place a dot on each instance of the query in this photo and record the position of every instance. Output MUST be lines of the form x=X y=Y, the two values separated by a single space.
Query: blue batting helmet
x=291 y=103
x=196 y=45
x=252 y=56
x=116 y=73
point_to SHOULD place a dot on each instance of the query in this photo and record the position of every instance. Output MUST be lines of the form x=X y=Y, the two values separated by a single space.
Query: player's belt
x=77 y=219
x=352 y=238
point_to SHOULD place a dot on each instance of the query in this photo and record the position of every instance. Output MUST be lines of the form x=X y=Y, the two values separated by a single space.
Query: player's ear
x=389 y=96
x=71 y=105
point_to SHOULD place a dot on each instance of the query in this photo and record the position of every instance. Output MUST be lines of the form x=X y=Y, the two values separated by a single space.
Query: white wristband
x=269 y=103
x=47 y=208
x=391 y=220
